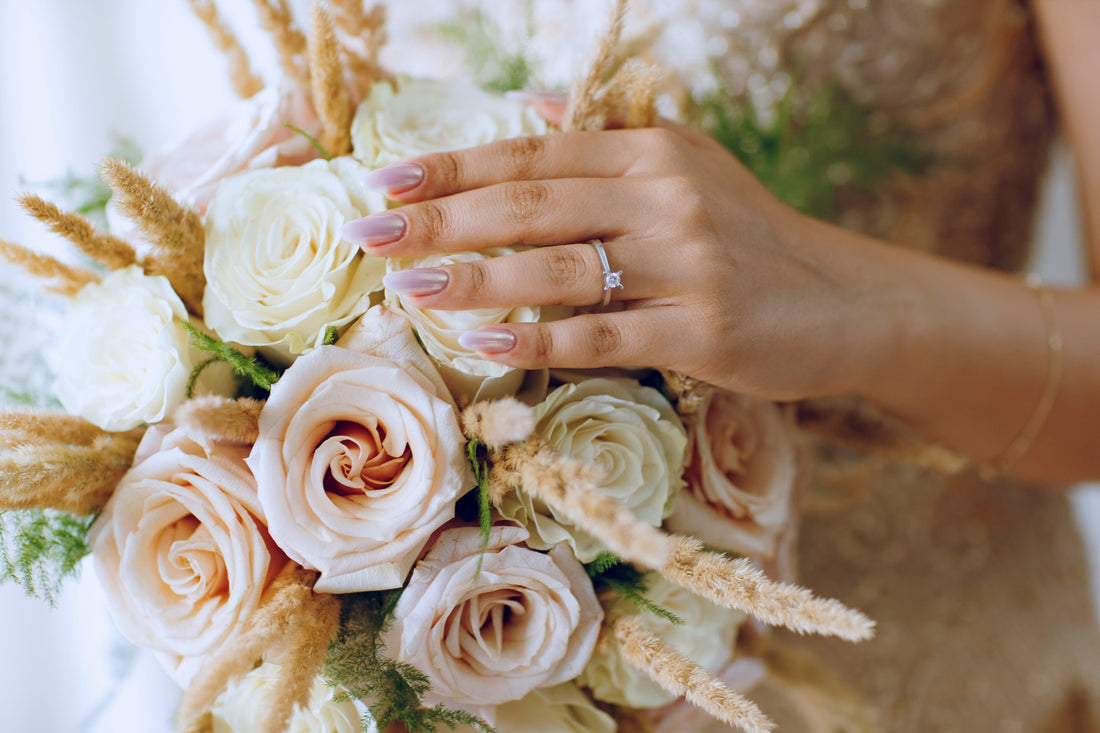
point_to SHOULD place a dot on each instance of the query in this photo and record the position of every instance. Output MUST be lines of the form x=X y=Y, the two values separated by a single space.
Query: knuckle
x=525 y=200
x=542 y=345
x=476 y=278
x=565 y=267
x=522 y=156
x=448 y=171
x=605 y=340
x=434 y=220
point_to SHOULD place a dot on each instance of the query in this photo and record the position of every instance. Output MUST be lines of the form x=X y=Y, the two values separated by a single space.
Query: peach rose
x=741 y=478
x=252 y=134
x=181 y=549
x=526 y=620
x=359 y=460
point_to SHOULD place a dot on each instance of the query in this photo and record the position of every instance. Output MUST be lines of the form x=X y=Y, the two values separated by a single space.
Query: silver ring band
x=611 y=279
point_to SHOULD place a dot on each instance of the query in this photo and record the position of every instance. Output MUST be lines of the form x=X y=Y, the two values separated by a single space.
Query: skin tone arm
x=727 y=284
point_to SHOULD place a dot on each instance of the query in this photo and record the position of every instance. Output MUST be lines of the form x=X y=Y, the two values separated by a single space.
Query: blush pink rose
x=181 y=549
x=359 y=460
x=525 y=620
x=252 y=134
x=741 y=477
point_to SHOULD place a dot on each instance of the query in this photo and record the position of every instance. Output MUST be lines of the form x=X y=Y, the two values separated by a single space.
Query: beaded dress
x=980 y=589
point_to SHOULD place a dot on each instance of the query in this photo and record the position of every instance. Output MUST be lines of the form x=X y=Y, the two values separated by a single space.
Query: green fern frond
x=608 y=571
x=393 y=690
x=40 y=549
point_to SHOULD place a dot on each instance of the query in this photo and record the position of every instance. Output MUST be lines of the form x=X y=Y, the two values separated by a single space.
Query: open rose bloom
x=357 y=462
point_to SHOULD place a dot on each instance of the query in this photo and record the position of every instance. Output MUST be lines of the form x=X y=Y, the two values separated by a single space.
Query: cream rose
x=629 y=431
x=439 y=329
x=124 y=358
x=240 y=708
x=181 y=549
x=706 y=636
x=741 y=476
x=359 y=460
x=559 y=709
x=526 y=620
x=278 y=271
x=424 y=116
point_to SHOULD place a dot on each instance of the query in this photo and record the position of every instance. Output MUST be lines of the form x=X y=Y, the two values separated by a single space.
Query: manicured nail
x=417 y=282
x=396 y=178
x=375 y=230
x=536 y=96
x=488 y=341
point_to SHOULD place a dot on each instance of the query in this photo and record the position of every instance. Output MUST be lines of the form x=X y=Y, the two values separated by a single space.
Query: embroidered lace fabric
x=980 y=591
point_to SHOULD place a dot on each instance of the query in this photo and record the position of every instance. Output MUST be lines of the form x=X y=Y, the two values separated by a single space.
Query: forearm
x=961 y=353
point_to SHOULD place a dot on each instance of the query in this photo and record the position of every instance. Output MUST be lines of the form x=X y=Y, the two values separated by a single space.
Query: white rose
x=240 y=708
x=629 y=431
x=559 y=709
x=359 y=460
x=278 y=271
x=706 y=636
x=181 y=549
x=124 y=360
x=439 y=330
x=424 y=116
x=488 y=635
x=740 y=477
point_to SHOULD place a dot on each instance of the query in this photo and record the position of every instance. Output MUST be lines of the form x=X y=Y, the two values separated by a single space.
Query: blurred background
x=76 y=76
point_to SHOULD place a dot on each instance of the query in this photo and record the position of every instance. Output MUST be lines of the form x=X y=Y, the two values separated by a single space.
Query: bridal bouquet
x=320 y=510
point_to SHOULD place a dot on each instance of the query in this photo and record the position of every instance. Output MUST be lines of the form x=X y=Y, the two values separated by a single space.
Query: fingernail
x=375 y=230
x=396 y=178
x=536 y=96
x=417 y=282
x=488 y=340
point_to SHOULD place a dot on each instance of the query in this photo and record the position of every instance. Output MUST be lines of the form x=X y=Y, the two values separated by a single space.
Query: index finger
x=542 y=157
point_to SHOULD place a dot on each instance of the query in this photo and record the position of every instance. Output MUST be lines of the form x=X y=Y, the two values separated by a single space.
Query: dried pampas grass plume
x=587 y=109
x=331 y=99
x=59 y=277
x=175 y=231
x=107 y=249
x=633 y=93
x=738 y=584
x=293 y=628
x=290 y=43
x=683 y=677
x=245 y=82
x=78 y=479
x=362 y=33
x=222 y=419
x=500 y=422
x=36 y=426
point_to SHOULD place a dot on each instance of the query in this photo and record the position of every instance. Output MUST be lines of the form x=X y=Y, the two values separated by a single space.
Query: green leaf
x=495 y=69
x=479 y=459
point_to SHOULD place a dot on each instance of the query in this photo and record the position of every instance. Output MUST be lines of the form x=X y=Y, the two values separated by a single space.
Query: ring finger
x=568 y=274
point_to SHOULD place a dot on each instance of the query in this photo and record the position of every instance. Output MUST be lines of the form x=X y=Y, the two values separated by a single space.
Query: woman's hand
x=720 y=280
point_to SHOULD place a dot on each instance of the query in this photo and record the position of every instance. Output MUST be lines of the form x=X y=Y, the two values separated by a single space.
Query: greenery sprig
x=392 y=690
x=809 y=149
x=254 y=369
x=312 y=140
x=495 y=69
x=478 y=455
x=607 y=570
x=40 y=549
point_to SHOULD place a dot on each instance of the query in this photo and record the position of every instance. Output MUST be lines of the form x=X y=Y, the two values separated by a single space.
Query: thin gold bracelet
x=1055 y=366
